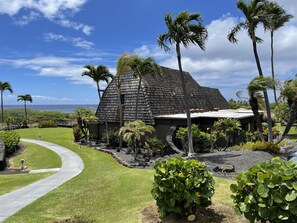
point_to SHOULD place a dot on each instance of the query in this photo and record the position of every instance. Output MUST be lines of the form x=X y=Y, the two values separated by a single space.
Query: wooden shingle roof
x=158 y=96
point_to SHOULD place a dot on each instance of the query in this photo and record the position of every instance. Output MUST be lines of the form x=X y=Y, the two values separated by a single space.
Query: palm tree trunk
x=2 y=108
x=186 y=102
x=25 y=109
x=120 y=111
x=105 y=119
x=291 y=120
x=267 y=105
x=255 y=108
x=137 y=97
x=272 y=64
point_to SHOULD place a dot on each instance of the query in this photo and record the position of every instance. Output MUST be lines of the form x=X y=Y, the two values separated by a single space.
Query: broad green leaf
x=291 y=196
x=262 y=191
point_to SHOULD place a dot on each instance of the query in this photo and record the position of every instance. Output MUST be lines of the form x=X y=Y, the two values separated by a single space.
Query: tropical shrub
x=202 y=142
x=11 y=140
x=113 y=137
x=267 y=192
x=182 y=186
x=77 y=134
x=282 y=111
x=258 y=146
x=47 y=124
x=155 y=145
x=132 y=133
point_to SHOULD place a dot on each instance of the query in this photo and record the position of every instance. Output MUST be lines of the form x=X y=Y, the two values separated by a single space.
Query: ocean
x=59 y=108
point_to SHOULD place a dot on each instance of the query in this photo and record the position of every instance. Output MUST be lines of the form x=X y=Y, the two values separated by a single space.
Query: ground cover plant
x=104 y=192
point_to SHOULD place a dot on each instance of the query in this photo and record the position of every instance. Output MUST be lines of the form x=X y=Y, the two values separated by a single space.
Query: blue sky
x=44 y=45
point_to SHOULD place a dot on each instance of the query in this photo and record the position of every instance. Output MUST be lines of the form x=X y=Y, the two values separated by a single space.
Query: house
x=161 y=103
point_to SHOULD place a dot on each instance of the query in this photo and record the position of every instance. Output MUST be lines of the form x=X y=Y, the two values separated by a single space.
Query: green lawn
x=104 y=192
x=292 y=135
x=37 y=157
x=13 y=182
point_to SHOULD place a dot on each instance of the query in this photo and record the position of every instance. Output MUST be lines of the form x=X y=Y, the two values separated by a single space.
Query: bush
x=258 y=146
x=265 y=146
x=155 y=145
x=267 y=192
x=11 y=140
x=113 y=136
x=47 y=124
x=202 y=142
x=182 y=186
x=77 y=134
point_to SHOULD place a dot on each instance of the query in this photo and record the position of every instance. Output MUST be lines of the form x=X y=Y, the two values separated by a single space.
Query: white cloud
x=26 y=19
x=78 y=42
x=57 y=11
x=64 y=67
x=42 y=98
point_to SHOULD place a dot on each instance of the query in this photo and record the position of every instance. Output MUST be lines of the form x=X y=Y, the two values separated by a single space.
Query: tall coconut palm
x=185 y=29
x=140 y=68
x=274 y=17
x=289 y=92
x=25 y=98
x=4 y=86
x=123 y=65
x=100 y=73
x=256 y=85
x=253 y=12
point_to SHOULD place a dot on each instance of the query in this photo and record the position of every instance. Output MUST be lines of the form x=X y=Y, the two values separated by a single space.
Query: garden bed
x=241 y=160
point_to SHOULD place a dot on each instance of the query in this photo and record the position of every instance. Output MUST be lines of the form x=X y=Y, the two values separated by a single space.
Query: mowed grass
x=13 y=182
x=104 y=192
x=36 y=157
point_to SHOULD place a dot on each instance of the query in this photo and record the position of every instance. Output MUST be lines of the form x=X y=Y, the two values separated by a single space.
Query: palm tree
x=4 y=86
x=274 y=17
x=142 y=67
x=123 y=65
x=25 y=98
x=256 y=85
x=100 y=73
x=132 y=133
x=253 y=12
x=185 y=29
x=290 y=93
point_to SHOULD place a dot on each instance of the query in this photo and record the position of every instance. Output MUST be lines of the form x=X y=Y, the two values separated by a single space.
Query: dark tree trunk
x=186 y=102
x=269 y=122
x=25 y=109
x=291 y=120
x=121 y=113
x=105 y=119
x=272 y=65
x=137 y=97
x=2 y=108
x=255 y=108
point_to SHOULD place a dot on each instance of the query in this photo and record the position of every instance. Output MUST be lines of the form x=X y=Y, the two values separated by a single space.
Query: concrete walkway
x=14 y=201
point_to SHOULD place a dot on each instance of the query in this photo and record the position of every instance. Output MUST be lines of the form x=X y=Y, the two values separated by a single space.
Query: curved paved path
x=14 y=201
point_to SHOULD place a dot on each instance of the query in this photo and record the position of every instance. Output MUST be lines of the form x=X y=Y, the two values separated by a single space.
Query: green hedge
x=11 y=140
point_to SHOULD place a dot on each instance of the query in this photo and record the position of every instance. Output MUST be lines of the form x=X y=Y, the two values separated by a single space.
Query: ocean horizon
x=59 y=107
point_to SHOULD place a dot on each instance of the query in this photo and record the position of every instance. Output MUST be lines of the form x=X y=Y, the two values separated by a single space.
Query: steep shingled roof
x=158 y=96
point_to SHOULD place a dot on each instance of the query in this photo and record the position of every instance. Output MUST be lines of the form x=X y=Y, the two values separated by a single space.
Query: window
x=122 y=99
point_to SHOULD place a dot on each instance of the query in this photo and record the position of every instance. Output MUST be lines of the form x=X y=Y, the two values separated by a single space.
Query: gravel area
x=241 y=160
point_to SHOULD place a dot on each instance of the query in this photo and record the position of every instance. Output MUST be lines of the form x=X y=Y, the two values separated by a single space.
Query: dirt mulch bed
x=216 y=213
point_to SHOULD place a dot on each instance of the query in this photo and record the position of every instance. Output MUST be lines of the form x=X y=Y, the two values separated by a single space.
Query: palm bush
x=132 y=133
